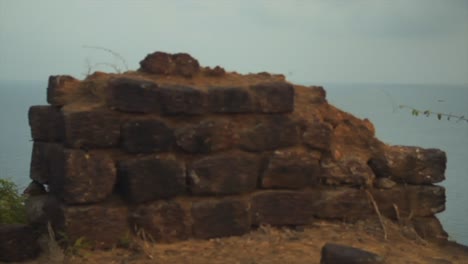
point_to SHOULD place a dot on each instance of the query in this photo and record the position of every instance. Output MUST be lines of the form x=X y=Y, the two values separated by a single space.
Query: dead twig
x=376 y=208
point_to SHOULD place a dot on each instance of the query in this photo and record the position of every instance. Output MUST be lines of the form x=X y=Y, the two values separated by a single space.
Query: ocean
x=377 y=102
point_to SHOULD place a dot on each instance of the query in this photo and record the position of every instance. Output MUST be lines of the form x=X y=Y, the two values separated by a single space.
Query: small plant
x=12 y=208
x=417 y=112
x=117 y=67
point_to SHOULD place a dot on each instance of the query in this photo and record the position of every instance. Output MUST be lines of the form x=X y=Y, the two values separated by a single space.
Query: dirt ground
x=275 y=246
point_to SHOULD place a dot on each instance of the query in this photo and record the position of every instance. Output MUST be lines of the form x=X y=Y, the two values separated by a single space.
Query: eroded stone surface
x=292 y=169
x=178 y=99
x=230 y=100
x=271 y=133
x=90 y=128
x=282 y=207
x=83 y=177
x=18 y=243
x=146 y=136
x=220 y=217
x=416 y=165
x=206 y=136
x=346 y=204
x=410 y=200
x=274 y=97
x=134 y=95
x=46 y=123
x=150 y=178
x=164 y=221
x=227 y=173
x=62 y=89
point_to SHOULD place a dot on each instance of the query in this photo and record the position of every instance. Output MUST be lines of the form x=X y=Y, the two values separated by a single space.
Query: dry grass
x=278 y=246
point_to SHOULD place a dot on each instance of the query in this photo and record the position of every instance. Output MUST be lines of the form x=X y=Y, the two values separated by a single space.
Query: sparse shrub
x=12 y=208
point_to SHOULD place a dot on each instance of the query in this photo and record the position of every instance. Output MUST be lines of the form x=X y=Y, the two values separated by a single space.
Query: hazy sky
x=396 y=41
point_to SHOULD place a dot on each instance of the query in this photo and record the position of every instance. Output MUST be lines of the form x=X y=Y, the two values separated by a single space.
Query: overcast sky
x=385 y=41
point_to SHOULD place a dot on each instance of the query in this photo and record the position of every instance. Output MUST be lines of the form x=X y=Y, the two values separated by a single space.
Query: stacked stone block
x=181 y=161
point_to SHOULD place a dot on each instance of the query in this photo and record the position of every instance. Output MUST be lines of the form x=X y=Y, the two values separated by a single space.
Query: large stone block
x=429 y=228
x=62 y=89
x=271 y=133
x=83 y=177
x=179 y=99
x=352 y=172
x=274 y=97
x=292 y=169
x=46 y=123
x=134 y=95
x=346 y=204
x=317 y=135
x=150 y=178
x=146 y=136
x=410 y=200
x=102 y=225
x=43 y=161
x=282 y=207
x=89 y=128
x=416 y=165
x=229 y=173
x=164 y=221
x=206 y=136
x=230 y=100
x=219 y=218
x=18 y=243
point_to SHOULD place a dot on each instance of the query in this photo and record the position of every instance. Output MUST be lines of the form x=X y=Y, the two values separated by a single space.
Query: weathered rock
x=282 y=207
x=83 y=177
x=134 y=95
x=46 y=123
x=158 y=63
x=430 y=228
x=292 y=169
x=43 y=159
x=230 y=100
x=352 y=139
x=384 y=183
x=215 y=72
x=102 y=225
x=274 y=97
x=271 y=133
x=379 y=166
x=80 y=177
x=35 y=209
x=346 y=204
x=410 y=200
x=346 y=172
x=317 y=95
x=18 y=243
x=34 y=188
x=164 y=63
x=88 y=128
x=206 y=136
x=317 y=135
x=179 y=99
x=164 y=221
x=416 y=165
x=335 y=253
x=62 y=89
x=185 y=65
x=219 y=218
x=150 y=178
x=146 y=136
x=227 y=173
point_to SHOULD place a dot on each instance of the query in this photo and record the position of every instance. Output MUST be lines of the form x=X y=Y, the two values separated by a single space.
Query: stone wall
x=183 y=151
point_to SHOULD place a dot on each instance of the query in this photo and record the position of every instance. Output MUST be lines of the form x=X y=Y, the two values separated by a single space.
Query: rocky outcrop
x=183 y=151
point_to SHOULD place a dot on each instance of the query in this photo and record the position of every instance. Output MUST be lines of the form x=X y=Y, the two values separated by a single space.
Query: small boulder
x=164 y=63
x=18 y=243
x=384 y=183
x=335 y=253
